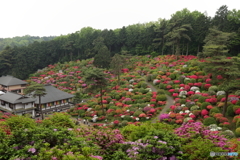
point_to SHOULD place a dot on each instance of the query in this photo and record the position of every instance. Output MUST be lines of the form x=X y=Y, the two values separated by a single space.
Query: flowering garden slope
x=134 y=101
x=191 y=130
x=57 y=138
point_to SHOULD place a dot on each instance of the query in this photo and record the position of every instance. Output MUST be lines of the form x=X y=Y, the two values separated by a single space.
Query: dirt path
x=170 y=101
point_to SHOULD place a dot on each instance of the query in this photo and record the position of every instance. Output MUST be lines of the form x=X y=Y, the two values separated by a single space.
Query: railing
x=6 y=109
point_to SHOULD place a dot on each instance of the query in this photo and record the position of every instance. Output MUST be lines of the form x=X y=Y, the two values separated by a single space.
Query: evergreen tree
x=97 y=81
x=102 y=58
x=36 y=90
x=216 y=43
x=224 y=71
x=117 y=65
x=177 y=32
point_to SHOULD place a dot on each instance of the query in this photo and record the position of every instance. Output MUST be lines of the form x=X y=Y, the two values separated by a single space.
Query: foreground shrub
x=237 y=132
x=208 y=121
x=159 y=144
x=19 y=122
x=133 y=132
x=191 y=130
x=29 y=142
x=200 y=148
x=106 y=139
x=58 y=120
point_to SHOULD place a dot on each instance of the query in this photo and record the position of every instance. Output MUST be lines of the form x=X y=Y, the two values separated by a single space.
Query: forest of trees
x=183 y=33
x=22 y=41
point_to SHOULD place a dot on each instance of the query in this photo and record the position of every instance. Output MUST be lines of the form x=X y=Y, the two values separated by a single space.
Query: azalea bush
x=191 y=130
x=151 y=141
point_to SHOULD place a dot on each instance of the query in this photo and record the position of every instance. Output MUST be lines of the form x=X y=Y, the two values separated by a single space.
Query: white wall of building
x=29 y=105
x=19 y=106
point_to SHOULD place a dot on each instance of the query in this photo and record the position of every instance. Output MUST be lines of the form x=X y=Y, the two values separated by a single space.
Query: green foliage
x=208 y=121
x=213 y=88
x=228 y=134
x=20 y=123
x=161 y=97
x=202 y=99
x=133 y=133
x=200 y=148
x=238 y=123
x=214 y=110
x=161 y=91
x=230 y=111
x=137 y=113
x=195 y=96
x=237 y=132
x=204 y=105
x=58 y=120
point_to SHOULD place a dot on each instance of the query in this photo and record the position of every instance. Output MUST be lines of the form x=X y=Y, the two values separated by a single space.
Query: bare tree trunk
x=198 y=48
x=187 y=50
x=71 y=55
x=101 y=100
x=162 y=47
x=173 y=50
x=182 y=48
x=39 y=97
x=118 y=78
x=225 y=104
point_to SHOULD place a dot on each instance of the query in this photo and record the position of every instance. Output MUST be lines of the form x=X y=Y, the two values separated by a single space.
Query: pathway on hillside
x=170 y=101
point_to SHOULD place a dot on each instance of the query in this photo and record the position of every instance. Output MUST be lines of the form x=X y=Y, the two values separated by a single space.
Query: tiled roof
x=53 y=94
x=15 y=98
x=10 y=81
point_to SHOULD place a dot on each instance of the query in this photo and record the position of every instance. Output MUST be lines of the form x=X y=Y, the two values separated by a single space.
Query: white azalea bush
x=219 y=93
x=194 y=88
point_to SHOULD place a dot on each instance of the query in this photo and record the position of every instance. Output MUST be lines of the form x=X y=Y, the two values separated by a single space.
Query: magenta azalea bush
x=164 y=116
x=191 y=130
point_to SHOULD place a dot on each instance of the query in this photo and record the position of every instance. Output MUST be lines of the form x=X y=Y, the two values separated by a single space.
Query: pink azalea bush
x=197 y=129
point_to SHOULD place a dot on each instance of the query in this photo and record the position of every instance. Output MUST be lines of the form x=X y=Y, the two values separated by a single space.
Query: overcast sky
x=61 y=17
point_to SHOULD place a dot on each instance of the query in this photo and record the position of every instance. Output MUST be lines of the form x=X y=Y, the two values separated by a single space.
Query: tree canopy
x=183 y=33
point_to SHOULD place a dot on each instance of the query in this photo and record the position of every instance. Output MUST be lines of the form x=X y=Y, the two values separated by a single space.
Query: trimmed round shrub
x=147 y=98
x=214 y=110
x=128 y=118
x=228 y=134
x=161 y=97
x=230 y=111
x=182 y=101
x=193 y=80
x=237 y=132
x=213 y=88
x=190 y=104
x=202 y=99
x=220 y=97
x=160 y=91
x=195 y=107
x=144 y=85
x=136 y=90
x=204 y=105
x=136 y=97
x=149 y=77
x=235 y=107
x=211 y=93
x=143 y=91
x=172 y=76
x=237 y=93
x=137 y=113
x=162 y=86
x=208 y=121
x=140 y=101
x=238 y=123
x=238 y=103
x=195 y=96
x=186 y=81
